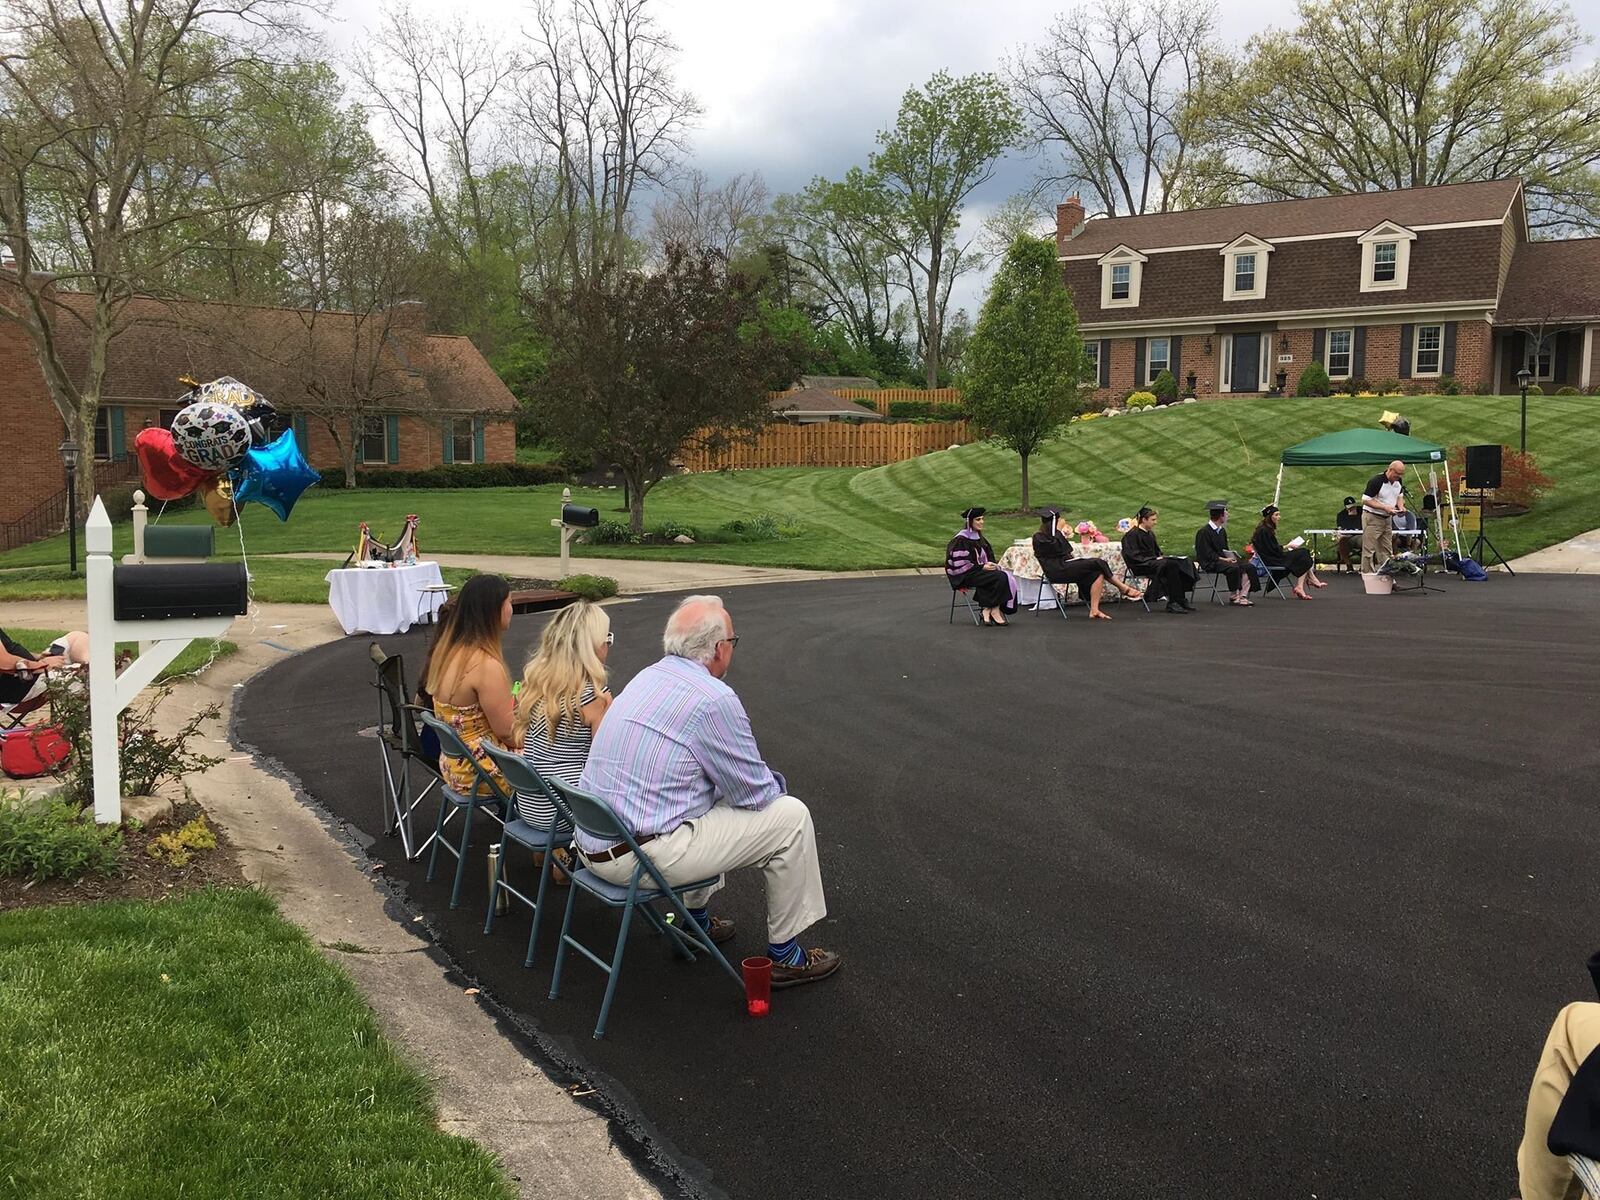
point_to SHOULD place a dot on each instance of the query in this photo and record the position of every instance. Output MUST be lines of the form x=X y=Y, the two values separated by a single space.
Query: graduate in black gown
x=1052 y=546
x=1296 y=562
x=969 y=562
x=1171 y=577
x=1212 y=553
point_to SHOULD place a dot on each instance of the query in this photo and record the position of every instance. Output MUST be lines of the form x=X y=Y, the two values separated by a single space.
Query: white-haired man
x=1383 y=497
x=676 y=759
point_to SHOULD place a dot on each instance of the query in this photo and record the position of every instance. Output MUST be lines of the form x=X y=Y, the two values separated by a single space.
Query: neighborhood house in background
x=1423 y=285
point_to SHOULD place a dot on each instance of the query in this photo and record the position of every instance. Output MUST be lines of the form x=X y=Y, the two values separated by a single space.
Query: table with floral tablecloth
x=1019 y=560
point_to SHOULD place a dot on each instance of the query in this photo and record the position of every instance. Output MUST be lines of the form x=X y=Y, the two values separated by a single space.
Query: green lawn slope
x=902 y=515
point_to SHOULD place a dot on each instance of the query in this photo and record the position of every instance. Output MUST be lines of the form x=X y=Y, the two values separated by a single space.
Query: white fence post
x=141 y=514
x=103 y=707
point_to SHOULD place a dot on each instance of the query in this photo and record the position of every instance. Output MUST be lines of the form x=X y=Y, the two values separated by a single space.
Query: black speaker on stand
x=1483 y=472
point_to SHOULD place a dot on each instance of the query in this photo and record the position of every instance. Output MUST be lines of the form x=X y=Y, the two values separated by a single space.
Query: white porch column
x=1585 y=377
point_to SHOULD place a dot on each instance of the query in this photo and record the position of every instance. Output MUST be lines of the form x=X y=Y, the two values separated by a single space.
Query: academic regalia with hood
x=964 y=560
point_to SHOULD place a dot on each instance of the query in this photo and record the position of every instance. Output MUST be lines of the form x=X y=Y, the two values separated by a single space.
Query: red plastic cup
x=757 y=985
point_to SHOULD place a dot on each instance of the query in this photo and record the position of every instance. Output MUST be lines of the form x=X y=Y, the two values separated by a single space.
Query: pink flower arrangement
x=1088 y=532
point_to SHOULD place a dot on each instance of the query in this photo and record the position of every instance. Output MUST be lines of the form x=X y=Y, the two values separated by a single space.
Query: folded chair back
x=391 y=685
x=595 y=817
x=450 y=743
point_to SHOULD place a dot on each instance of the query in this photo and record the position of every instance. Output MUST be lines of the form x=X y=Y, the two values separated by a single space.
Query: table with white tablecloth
x=385 y=599
x=1020 y=561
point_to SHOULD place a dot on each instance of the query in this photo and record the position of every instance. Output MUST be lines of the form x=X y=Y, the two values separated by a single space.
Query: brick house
x=435 y=398
x=1406 y=285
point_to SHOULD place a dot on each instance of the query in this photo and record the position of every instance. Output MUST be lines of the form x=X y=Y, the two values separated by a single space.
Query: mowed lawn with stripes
x=901 y=515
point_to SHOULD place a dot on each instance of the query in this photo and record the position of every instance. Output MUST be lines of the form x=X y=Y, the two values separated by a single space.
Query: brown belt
x=619 y=849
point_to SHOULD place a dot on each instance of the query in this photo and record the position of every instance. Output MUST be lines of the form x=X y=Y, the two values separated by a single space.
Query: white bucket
x=1377 y=585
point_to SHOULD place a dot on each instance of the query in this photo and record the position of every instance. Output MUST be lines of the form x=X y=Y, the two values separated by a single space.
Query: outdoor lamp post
x=1524 y=378
x=69 y=459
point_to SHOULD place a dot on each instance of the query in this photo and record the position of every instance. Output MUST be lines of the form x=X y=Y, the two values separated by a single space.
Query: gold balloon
x=218 y=498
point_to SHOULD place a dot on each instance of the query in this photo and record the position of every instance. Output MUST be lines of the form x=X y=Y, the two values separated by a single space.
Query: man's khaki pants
x=1377 y=540
x=1573 y=1037
x=780 y=839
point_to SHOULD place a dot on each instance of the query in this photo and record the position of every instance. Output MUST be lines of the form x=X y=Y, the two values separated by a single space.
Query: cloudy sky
x=800 y=88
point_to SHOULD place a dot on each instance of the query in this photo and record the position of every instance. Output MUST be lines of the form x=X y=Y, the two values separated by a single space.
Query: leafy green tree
x=945 y=144
x=1367 y=94
x=1024 y=362
x=643 y=364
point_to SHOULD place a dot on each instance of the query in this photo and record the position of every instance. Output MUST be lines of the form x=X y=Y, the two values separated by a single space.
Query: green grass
x=902 y=515
x=195 y=655
x=272 y=580
x=203 y=1048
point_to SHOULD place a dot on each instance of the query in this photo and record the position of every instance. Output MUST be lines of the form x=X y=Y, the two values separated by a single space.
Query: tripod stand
x=1483 y=540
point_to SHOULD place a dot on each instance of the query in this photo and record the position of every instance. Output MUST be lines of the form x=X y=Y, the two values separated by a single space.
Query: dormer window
x=1244 y=268
x=1386 y=257
x=1121 y=273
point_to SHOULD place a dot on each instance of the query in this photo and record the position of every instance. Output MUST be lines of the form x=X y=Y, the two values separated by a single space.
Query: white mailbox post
x=110 y=693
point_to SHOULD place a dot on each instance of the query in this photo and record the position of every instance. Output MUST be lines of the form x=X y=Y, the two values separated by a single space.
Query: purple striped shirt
x=672 y=744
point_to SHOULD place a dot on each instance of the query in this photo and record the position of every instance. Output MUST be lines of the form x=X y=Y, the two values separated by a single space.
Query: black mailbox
x=576 y=514
x=156 y=593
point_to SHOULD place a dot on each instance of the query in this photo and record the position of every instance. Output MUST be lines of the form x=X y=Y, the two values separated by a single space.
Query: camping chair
x=595 y=818
x=487 y=793
x=400 y=744
x=1588 y=1173
x=521 y=777
x=972 y=609
x=11 y=715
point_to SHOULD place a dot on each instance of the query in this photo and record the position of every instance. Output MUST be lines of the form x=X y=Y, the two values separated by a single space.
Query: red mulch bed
x=142 y=877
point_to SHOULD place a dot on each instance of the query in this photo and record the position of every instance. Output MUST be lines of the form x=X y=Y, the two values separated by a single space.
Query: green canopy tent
x=1373 y=448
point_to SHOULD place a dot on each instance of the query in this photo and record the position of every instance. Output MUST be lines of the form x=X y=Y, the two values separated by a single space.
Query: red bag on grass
x=34 y=751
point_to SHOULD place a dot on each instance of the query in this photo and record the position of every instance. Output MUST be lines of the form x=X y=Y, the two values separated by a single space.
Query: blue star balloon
x=275 y=475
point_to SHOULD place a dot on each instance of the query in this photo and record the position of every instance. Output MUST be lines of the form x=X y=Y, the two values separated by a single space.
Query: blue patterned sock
x=702 y=918
x=786 y=954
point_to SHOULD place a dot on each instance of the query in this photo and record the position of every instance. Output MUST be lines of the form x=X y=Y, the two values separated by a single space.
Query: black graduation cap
x=972 y=514
x=1216 y=506
x=1049 y=515
x=1269 y=510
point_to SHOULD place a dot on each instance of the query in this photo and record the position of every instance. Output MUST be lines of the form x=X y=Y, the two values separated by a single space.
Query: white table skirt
x=384 y=599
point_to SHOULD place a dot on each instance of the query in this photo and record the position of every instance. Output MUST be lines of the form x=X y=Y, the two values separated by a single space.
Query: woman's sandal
x=1243 y=603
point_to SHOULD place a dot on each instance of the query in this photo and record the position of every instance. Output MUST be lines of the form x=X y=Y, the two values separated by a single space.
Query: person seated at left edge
x=969 y=562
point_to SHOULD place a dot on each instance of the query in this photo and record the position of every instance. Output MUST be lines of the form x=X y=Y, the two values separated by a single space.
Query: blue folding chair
x=594 y=817
x=487 y=793
x=521 y=776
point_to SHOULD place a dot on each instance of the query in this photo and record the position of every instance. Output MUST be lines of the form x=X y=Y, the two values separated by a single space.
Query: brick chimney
x=1069 y=219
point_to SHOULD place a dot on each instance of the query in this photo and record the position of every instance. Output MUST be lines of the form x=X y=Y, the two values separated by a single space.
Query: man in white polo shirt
x=1384 y=496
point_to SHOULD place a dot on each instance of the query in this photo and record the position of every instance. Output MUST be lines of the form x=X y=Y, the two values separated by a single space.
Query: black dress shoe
x=1187 y=607
x=1174 y=607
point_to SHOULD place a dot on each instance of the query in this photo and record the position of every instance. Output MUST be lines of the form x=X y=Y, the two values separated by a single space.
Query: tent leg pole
x=1455 y=526
x=1277 y=490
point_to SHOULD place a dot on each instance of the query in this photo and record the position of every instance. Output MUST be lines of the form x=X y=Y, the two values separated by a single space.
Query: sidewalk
x=553 y=1145
x=637 y=576
x=1575 y=556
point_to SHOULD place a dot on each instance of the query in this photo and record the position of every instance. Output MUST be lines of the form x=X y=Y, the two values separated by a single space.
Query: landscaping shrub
x=1447 y=385
x=611 y=533
x=51 y=840
x=1568 y=391
x=1313 y=381
x=590 y=587
x=454 y=475
x=762 y=527
x=1165 y=387
x=1140 y=399
x=1483 y=389
x=177 y=847
x=1521 y=481
x=669 y=530
x=1387 y=387
x=1535 y=390
x=148 y=758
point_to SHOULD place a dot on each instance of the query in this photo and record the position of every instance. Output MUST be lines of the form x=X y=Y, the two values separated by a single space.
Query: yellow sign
x=1469 y=515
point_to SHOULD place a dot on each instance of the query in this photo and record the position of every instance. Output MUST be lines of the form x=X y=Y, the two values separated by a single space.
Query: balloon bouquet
x=218 y=445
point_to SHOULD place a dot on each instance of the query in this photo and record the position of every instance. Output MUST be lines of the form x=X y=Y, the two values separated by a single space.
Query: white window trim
x=472 y=440
x=1150 y=372
x=1402 y=237
x=1327 y=350
x=1092 y=346
x=1533 y=359
x=1245 y=244
x=361 y=439
x=1225 y=364
x=1134 y=261
x=1416 y=353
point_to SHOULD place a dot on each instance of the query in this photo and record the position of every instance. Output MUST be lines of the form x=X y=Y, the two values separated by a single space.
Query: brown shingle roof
x=814 y=402
x=276 y=350
x=1353 y=212
x=1552 y=281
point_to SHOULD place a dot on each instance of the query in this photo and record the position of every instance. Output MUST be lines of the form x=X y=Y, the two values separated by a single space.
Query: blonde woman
x=564 y=696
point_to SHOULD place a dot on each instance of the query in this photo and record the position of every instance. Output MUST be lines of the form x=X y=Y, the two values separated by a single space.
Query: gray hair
x=695 y=627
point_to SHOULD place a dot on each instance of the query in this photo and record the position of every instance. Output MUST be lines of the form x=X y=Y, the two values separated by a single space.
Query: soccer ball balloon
x=211 y=436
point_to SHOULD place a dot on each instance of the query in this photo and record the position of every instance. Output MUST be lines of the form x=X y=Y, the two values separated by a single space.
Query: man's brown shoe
x=721 y=930
x=819 y=964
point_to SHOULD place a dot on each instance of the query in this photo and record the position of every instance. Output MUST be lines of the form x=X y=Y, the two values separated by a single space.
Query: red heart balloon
x=167 y=474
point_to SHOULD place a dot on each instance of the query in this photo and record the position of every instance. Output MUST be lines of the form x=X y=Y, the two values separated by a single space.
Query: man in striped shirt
x=676 y=760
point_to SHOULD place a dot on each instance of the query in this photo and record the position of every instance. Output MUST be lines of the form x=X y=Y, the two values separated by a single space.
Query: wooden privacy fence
x=881 y=397
x=832 y=445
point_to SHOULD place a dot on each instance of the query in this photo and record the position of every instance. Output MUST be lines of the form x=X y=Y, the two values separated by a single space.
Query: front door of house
x=1245 y=374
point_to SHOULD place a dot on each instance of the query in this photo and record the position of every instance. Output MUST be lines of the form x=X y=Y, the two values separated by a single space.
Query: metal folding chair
x=594 y=817
x=521 y=777
x=965 y=594
x=1274 y=577
x=1218 y=578
x=400 y=745
x=1049 y=598
x=487 y=793
x=1142 y=582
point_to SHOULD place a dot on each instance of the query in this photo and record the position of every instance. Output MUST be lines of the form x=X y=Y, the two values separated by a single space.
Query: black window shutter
x=1173 y=364
x=1358 y=357
x=1405 y=351
x=1105 y=362
x=1317 y=336
x=1138 y=362
x=1448 y=365
x=1558 y=362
